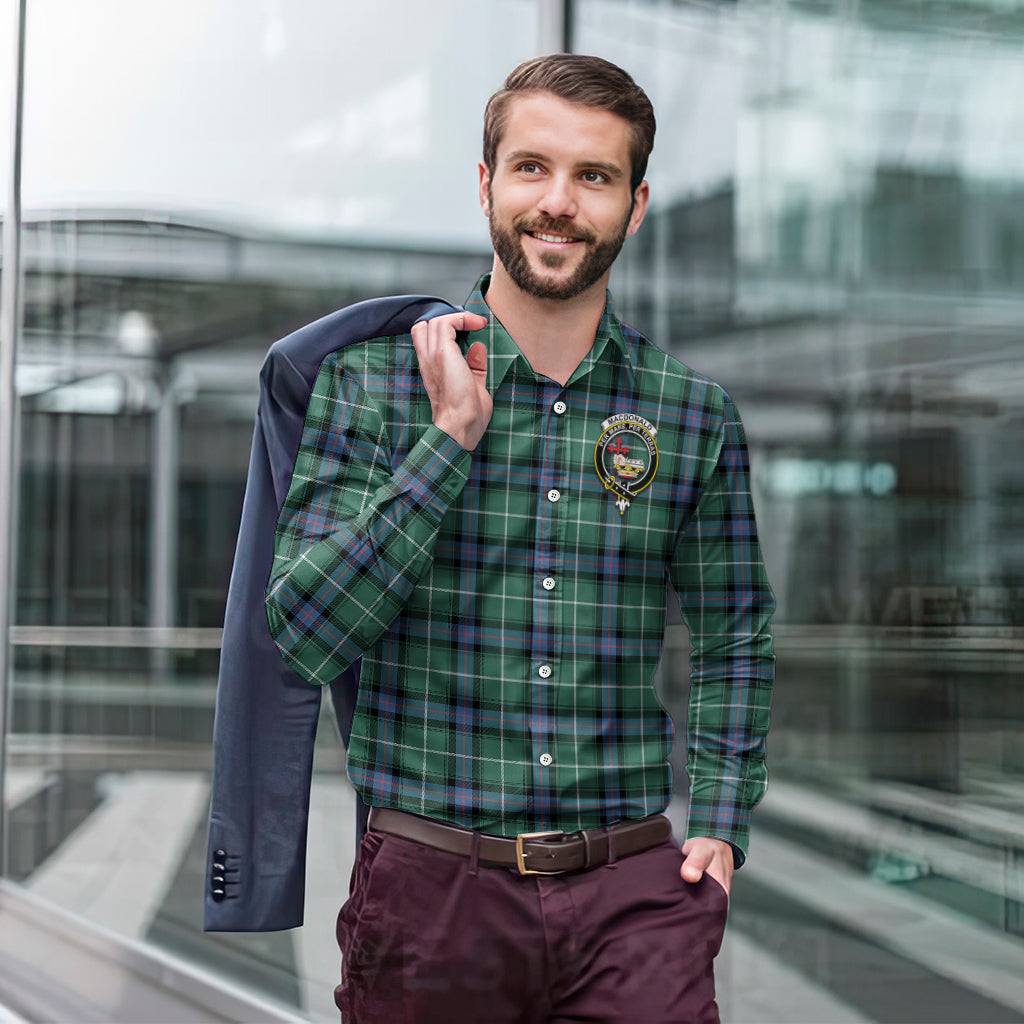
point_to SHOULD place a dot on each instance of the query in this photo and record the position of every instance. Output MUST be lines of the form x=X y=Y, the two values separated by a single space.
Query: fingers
x=431 y=338
x=434 y=341
x=473 y=321
x=445 y=327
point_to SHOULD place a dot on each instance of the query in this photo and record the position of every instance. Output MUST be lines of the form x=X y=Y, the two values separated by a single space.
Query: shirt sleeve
x=354 y=535
x=726 y=602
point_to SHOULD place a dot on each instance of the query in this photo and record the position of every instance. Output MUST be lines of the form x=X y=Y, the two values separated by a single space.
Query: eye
x=594 y=177
x=529 y=167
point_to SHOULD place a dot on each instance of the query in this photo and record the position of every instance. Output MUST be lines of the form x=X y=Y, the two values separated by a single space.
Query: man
x=488 y=512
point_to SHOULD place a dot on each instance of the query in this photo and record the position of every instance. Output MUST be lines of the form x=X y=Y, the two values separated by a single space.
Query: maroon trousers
x=429 y=937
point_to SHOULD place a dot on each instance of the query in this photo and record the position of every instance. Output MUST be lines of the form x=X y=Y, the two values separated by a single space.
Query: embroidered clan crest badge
x=626 y=457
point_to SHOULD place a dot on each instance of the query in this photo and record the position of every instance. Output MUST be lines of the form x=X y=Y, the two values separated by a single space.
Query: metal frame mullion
x=555 y=26
x=10 y=326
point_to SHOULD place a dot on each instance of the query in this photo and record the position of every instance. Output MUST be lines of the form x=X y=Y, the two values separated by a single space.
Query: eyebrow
x=611 y=170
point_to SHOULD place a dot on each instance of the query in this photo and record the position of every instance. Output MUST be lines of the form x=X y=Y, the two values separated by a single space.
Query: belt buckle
x=521 y=855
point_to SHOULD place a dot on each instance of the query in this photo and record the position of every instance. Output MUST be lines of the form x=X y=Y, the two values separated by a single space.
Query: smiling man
x=489 y=511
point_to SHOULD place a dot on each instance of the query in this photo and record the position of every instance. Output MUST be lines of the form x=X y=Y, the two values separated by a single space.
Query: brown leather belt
x=530 y=853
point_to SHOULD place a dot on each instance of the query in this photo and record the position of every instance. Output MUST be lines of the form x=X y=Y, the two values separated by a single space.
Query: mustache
x=552 y=226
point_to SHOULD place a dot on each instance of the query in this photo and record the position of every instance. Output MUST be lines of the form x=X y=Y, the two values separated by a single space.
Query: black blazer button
x=218 y=895
x=219 y=854
x=219 y=868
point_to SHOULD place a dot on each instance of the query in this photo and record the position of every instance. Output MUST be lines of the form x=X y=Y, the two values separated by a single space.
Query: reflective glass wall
x=199 y=180
x=836 y=234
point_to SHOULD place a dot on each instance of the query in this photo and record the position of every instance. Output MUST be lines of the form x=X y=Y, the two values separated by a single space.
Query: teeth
x=551 y=238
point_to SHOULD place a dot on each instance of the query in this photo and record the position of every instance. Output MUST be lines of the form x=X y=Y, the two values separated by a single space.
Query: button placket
x=550 y=505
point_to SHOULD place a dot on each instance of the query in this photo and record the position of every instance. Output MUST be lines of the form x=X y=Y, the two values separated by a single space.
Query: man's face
x=559 y=202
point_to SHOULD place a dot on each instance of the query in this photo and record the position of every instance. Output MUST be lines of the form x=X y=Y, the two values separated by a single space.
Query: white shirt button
x=546 y=759
x=549 y=583
x=559 y=407
x=544 y=671
x=554 y=494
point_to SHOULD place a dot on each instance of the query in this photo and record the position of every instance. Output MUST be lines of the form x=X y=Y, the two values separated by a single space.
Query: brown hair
x=577 y=78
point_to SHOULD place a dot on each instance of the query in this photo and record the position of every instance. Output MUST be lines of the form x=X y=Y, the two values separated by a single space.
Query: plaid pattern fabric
x=510 y=618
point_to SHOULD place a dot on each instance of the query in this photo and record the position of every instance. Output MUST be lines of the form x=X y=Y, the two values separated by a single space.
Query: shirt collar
x=503 y=352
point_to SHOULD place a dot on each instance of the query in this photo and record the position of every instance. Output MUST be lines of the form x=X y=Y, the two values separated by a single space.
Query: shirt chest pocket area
x=627 y=529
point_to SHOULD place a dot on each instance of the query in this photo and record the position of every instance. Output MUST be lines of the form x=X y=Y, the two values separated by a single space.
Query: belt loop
x=610 y=833
x=586 y=849
x=474 y=854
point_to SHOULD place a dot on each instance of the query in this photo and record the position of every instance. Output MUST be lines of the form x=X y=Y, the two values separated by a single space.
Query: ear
x=485 y=183
x=641 y=197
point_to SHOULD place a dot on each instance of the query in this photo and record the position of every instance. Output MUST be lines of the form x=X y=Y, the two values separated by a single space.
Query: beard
x=598 y=257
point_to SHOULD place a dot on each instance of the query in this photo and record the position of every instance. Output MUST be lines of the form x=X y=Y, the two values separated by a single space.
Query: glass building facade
x=836 y=234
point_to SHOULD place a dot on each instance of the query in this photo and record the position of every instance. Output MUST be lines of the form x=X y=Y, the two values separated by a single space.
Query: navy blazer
x=266 y=713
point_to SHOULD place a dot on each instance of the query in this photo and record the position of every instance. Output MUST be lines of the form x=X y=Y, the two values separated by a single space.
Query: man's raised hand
x=456 y=385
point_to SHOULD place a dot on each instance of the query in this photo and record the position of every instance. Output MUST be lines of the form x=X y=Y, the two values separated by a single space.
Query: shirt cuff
x=718 y=819
x=435 y=470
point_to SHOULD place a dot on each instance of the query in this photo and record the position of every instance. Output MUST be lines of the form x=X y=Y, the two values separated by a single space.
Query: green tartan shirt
x=509 y=603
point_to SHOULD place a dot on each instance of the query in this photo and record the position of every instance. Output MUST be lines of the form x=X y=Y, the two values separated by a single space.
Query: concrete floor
x=811 y=941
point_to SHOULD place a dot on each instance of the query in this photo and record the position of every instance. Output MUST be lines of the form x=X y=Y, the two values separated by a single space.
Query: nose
x=559 y=198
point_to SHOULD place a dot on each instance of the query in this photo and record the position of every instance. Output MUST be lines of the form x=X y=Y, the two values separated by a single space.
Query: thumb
x=477 y=357
x=695 y=863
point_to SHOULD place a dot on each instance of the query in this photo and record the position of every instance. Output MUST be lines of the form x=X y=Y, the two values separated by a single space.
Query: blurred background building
x=836 y=233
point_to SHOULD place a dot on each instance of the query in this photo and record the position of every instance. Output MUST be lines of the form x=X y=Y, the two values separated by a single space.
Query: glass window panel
x=835 y=234
x=332 y=119
x=200 y=179
x=8 y=23
x=8 y=55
